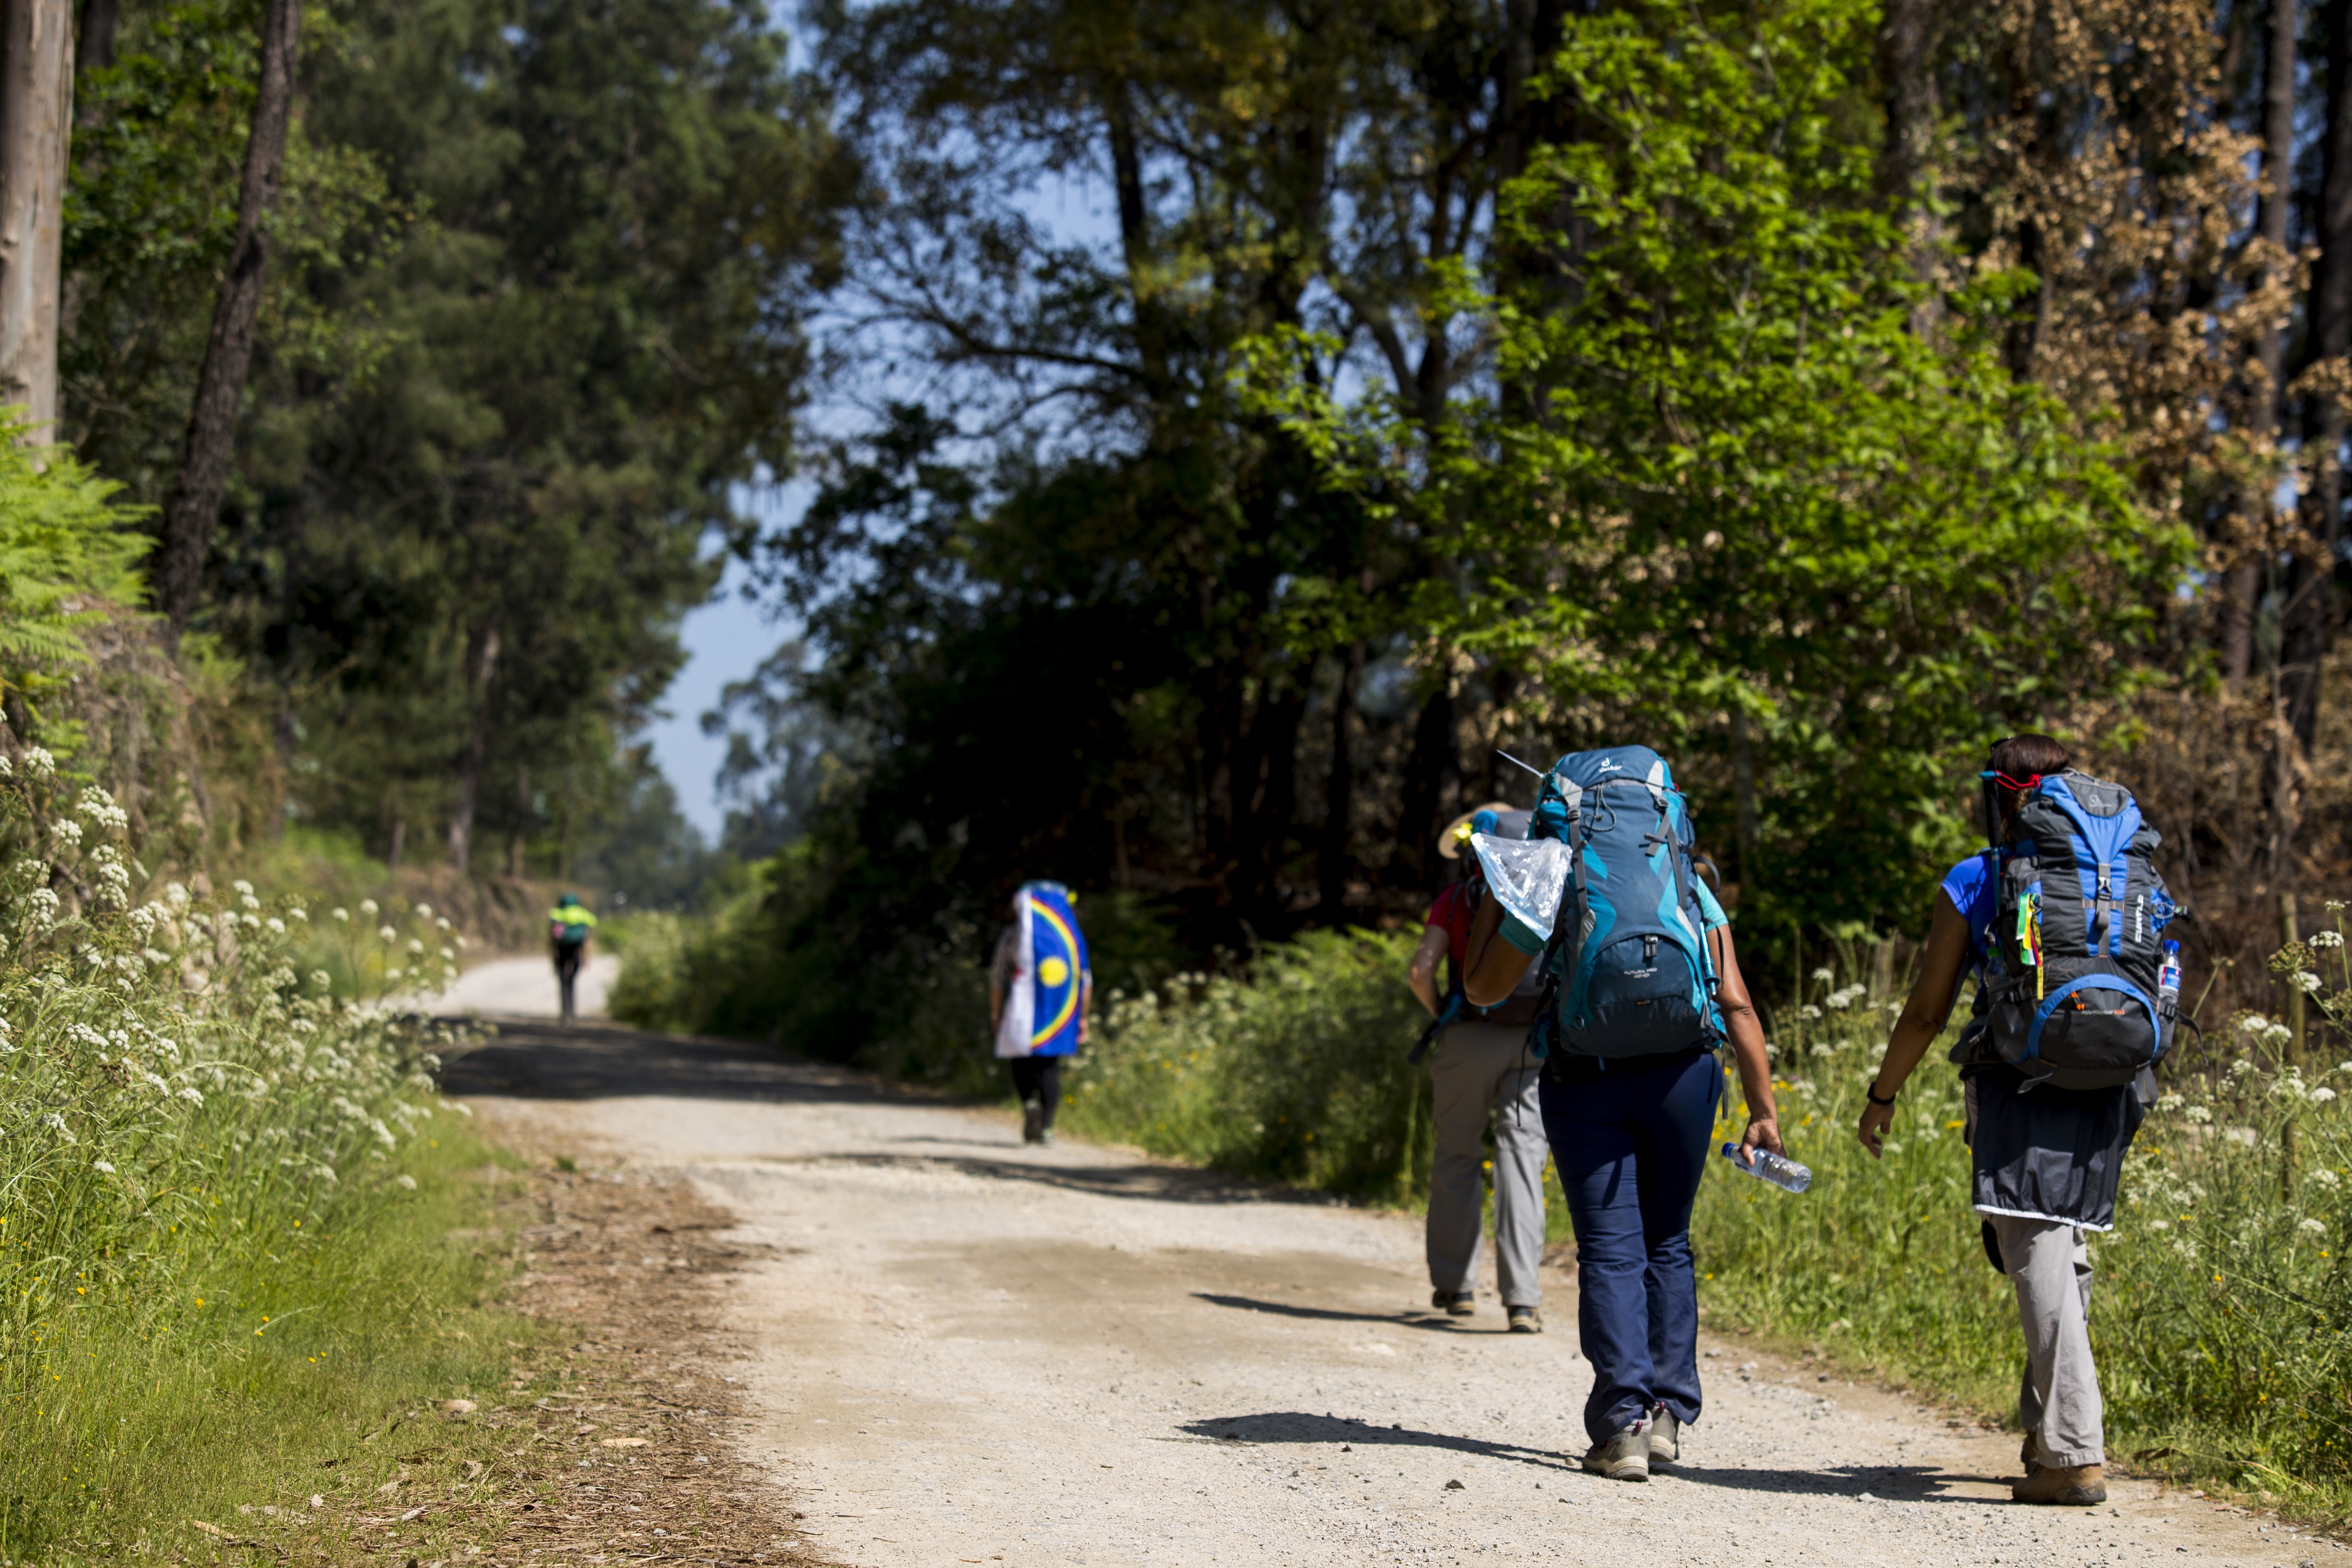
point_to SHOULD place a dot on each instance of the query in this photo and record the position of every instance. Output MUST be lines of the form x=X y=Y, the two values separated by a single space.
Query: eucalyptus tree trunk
x=2242 y=586
x=1906 y=162
x=194 y=505
x=37 y=65
x=481 y=669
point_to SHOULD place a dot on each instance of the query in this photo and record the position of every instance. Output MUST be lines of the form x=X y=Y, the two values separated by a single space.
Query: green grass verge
x=119 y=1427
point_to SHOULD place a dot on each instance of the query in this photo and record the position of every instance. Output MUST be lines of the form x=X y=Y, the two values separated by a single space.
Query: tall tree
x=37 y=63
x=193 y=509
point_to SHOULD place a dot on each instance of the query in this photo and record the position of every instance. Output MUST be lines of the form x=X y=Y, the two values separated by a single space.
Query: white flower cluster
x=2326 y=938
x=1839 y=1000
x=99 y=807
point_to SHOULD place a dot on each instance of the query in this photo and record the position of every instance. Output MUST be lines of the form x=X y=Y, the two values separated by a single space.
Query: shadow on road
x=1300 y=1426
x=534 y=1059
x=1409 y=1319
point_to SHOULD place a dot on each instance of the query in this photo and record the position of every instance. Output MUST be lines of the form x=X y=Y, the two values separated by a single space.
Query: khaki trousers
x=2058 y=1401
x=1481 y=1070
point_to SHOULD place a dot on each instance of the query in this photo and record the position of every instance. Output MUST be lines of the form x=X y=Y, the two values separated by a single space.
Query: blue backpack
x=2070 y=987
x=1628 y=958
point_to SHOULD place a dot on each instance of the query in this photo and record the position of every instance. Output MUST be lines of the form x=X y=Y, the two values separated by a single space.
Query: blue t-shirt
x=1521 y=935
x=1974 y=887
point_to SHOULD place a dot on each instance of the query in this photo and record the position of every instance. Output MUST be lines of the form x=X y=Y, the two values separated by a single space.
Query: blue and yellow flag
x=1049 y=962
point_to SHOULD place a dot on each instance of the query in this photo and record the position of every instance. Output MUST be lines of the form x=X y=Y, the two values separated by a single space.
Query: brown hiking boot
x=2067 y=1485
x=2029 y=1454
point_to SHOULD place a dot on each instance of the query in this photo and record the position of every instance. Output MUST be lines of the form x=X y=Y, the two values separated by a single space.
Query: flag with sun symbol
x=1049 y=967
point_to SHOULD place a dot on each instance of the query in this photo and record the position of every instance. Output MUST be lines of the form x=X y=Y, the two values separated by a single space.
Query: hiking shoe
x=1525 y=1320
x=1625 y=1458
x=2029 y=1454
x=1665 y=1437
x=1458 y=1303
x=1045 y=1135
x=1033 y=1120
x=2067 y=1485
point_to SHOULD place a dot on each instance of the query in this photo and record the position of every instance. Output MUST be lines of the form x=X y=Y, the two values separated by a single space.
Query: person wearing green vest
x=569 y=925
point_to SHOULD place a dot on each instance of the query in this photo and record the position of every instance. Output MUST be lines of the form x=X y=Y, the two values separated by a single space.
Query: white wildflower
x=2199 y=1113
x=40 y=909
x=425 y=912
x=2321 y=1095
x=1826 y=976
x=340 y=912
x=66 y=831
x=441 y=924
x=243 y=889
x=2170 y=1101
x=2323 y=1177
x=56 y=1124
x=460 y=941
x=298 y=913
x=2315 y=1227
x=38 y=762
x=1809 y=1011
x=155 y=1082
x=382 y=1134
x=2327 y=939
x=1822 y=1049
x=2307 y=983
x=275 y=924
x=101 y=1167
x=8 y=768
x=368 y=908
x=2160 y=1224
x=322 y=979
x=448 y=954
x=387 y=933
x=190 y=1095
x=415 y=945
x=175 y=895
x=405 y=1181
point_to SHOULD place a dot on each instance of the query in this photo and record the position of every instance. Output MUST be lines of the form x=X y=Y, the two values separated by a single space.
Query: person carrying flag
x=1040 y=988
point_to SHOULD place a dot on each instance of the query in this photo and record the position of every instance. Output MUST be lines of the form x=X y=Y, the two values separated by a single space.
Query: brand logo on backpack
x=2070 y=993
x=1631 y=972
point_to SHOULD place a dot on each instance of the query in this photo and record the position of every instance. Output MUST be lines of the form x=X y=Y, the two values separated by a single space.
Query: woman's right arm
x=1942 y=970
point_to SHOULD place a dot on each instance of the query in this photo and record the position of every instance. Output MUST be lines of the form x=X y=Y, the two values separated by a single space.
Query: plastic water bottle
x=2167 y=980
x=1778 y=1169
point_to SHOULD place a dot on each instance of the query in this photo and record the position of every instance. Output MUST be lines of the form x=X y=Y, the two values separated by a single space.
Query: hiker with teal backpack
x=2061 y=919
x=1643 y=987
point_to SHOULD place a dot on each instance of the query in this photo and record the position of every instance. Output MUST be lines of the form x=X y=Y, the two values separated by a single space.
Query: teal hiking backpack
x=1628 y=957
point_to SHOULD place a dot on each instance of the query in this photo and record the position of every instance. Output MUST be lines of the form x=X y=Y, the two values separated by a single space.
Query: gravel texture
x=961 y=1350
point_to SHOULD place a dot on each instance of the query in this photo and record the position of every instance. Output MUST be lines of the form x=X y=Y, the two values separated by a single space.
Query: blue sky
x=725 y=640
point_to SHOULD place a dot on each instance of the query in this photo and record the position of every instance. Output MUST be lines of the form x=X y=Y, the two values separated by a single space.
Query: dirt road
x=973 y=1352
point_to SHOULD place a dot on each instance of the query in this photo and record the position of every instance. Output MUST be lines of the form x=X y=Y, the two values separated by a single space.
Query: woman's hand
x=1763 y=1132
x=1877 y=1120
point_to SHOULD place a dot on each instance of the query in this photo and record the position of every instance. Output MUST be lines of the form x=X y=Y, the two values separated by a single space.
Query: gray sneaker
x=1665 y=1437
x=1625 y=1458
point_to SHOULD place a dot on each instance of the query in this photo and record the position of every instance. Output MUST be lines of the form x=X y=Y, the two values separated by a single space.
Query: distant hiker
x=1039 y=990
x=569 y=926
x=1481 y=1068
x=1643 y=986
x=2059 y=918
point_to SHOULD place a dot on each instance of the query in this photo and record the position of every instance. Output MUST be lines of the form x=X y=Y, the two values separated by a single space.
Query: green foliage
x=1725 y=476
x=67 y=558
x=1296 y=1074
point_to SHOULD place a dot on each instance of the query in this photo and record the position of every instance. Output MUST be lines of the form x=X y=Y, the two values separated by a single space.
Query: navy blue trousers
x=1632 y=1144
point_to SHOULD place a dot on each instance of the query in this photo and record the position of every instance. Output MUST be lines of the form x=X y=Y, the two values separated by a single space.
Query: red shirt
x=1452 y=913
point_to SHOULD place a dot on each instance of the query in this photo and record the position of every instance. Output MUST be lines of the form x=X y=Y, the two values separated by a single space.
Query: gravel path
x=972 y=1352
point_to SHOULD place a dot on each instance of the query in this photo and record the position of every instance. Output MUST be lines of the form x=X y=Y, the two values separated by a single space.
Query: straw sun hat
x=1457 y=836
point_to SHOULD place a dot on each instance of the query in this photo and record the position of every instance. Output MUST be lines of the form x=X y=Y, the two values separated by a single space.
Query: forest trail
x=970 y=1351
x=524 y=987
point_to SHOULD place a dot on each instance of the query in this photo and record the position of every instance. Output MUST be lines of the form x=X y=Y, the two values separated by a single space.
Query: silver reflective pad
x=1526 y=877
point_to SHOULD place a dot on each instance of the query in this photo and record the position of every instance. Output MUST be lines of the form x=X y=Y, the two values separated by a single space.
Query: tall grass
x=1296 y=1074
x=209 y=1165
